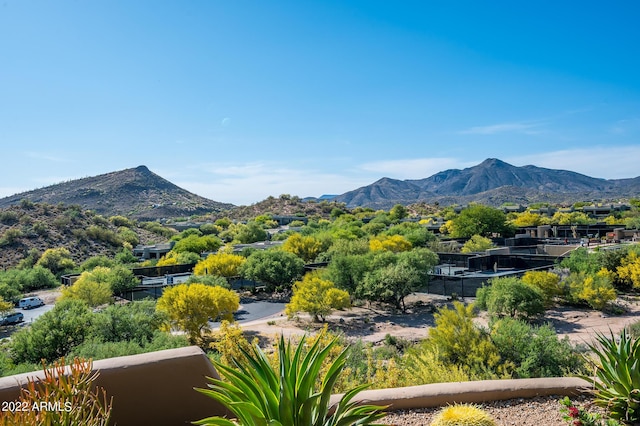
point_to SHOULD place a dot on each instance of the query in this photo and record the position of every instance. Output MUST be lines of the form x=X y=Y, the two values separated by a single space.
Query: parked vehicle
x=30 y=302
x=12 y=318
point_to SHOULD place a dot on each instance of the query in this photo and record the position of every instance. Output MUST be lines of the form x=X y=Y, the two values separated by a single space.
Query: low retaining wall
x=440 y=394
x=157 y=389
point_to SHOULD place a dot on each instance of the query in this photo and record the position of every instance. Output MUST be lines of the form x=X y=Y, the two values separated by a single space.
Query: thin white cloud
x=415 y=168
x=608 y=162
x=622 y=127
x=527 y=128
x=225 y=122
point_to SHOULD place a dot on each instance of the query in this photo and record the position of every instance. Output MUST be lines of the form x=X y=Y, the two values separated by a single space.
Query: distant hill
x=35 y=227
x=491 y=182
x=136 y=193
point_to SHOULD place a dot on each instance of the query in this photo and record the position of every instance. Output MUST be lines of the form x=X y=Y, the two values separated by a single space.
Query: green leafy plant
x=463 y=415
x=295 y=394
x=581 y=417
x=617 y=376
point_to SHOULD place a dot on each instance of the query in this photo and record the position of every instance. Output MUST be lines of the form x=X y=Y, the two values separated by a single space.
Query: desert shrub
x=511 y=297
x=106 y=235
x=10 y=236
x=53 y=334
x=534 y=351
x=158 y=229
x=212 y=280
x=229 y=342
x=460 y=342
x=634 y=330
x=122 y=221
x=40 y=228
x=95 y=261
x=98 y=349
x=8 y=217
x=128 y=235
x=425 y=365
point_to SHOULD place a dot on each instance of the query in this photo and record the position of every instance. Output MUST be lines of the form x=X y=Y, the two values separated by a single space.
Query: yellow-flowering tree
x=306 y=248
x=393 y=243
x=93 y=287
x=547 y=282
x=190 y=306
x=629 y=270
x=317 y=297
x=222 y=264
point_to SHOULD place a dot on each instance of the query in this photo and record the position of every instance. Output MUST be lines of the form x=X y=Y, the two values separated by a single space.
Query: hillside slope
x=136 y=193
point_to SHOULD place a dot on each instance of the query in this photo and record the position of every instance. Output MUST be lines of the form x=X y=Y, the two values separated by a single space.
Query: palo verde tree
x=190 y=306
x=222 y=264
x=316 y=296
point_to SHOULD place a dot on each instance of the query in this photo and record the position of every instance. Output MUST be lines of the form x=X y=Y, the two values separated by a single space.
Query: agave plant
x=617 y=376
x=296 y=395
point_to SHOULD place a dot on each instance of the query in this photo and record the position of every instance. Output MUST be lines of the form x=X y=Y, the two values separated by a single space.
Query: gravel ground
x=539 y=411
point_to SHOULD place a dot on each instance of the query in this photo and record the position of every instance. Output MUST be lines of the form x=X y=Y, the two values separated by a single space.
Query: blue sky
x=238 y=100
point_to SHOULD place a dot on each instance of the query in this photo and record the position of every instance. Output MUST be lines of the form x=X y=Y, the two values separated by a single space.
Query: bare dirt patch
x=373 y=323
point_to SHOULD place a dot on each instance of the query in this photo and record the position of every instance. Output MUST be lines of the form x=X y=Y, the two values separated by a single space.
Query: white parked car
x=30 y=302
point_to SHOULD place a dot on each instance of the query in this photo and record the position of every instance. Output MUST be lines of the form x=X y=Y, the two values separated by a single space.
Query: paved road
x=251 y=310
x=29 y=316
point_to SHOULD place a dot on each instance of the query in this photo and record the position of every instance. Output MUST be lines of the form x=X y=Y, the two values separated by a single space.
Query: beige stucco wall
x=157 y=388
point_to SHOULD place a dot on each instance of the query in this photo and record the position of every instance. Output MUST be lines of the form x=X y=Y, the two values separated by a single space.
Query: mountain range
x=492 y=182
x=141 y=194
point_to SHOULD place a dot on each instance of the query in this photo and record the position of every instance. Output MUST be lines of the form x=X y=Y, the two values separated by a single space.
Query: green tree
x=347 y=271
x=392 y=277
x=196 y=244
x=317 y=297
x=398 y=212
x=479 y=220
x=252 y=232
x=53 y=334
x=275 y=268
x=512 y=297
x=477 y=243
x=122 y=279
x=190 y=306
